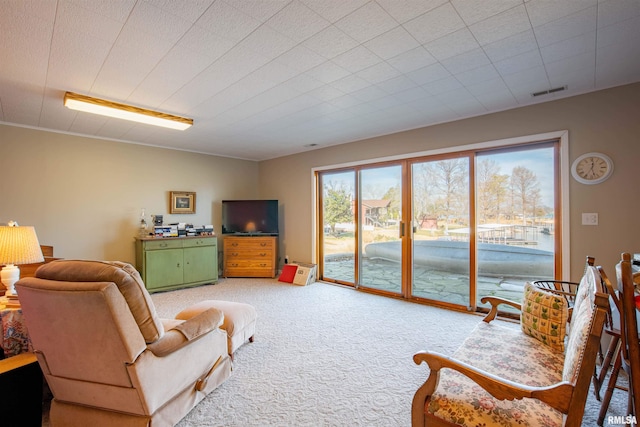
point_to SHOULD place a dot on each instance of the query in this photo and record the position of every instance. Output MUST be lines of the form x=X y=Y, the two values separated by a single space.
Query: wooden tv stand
x=250 y=256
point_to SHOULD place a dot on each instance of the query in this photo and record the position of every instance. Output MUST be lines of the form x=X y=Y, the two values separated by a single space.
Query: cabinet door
x=163 y=268
x=200 y=264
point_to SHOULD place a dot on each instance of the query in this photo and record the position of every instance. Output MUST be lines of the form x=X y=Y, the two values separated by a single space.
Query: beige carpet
x=325 y=355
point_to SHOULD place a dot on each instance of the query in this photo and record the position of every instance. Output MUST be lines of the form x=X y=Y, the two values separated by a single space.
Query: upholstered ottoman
x=239 y=320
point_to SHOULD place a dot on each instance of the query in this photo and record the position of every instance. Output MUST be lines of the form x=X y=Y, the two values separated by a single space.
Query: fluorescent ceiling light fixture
x=103 y=107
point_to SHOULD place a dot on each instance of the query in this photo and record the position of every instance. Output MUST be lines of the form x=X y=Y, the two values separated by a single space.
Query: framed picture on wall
x=182 y=202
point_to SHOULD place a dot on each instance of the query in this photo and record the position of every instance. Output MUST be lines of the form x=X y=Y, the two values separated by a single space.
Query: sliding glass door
x=441 y=230
x=449 y=228
x=516 y=211
x=338 y=235
x=380 y=225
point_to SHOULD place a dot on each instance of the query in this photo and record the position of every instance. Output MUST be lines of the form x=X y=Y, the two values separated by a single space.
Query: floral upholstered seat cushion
x=544 y=316
x=494 y=348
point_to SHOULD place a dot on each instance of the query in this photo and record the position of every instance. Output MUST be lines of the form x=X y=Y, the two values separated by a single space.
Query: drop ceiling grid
x=339 y=67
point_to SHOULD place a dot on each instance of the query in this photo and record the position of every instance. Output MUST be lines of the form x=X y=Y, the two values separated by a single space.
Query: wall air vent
x=546 y=92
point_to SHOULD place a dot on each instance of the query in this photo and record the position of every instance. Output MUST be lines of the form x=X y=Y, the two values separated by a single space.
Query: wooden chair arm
x=495 y=302
x=557 y=395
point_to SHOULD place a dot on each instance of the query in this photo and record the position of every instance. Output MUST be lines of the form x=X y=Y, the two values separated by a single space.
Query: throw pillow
x=544 y=316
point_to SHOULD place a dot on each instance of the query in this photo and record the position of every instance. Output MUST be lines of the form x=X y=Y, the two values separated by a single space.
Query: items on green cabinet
x=173 y=263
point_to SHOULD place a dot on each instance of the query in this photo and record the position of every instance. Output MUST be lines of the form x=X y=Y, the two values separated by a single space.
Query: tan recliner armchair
x=107 y=357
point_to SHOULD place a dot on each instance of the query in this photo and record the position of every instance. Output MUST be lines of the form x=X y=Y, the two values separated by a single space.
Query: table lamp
x=18 y=245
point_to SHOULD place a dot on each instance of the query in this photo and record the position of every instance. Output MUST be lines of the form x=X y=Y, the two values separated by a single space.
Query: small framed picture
x=182 y=202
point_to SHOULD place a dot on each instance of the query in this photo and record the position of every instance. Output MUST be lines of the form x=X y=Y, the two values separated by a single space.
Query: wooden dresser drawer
x=250 y=256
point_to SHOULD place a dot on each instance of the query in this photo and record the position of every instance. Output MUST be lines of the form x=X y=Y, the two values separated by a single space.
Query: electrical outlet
x=589 y=219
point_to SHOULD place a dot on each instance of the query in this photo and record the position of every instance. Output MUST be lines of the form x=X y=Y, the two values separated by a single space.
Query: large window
x=447 y=228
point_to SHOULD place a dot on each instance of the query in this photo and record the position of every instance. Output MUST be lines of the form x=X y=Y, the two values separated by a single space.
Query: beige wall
x=84 y=196
x=606 y=121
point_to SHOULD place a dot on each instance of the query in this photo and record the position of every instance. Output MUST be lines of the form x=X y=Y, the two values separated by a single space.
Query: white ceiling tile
x=350 y=84
x=326 y=93
x=428 y=74
x=476 y=11
x=477 y=75
x=330 y=42
x=497 y=101
x=118 y=10
x=328 y=72
x=466 y=61
x=304 y=83
x=175 y=70
x=301 y=59
x=258 y=9
x=364 y=108
x=618 y=65
x=117 y=79
x=567 y=27
x=412 y=94
x=501 y=26
x=495 y=85
x=344 y=101
x=627 y=33
x=333 y=10
x=190 y=13
x=204 y=43
x=412 y=60
x=80 y=21
x=519 y=63
x=297 y=21
x=21 y=106
x=569 y=47
x=461 y=102
x=369 y=93
x=276 y=72
x=612 y=12
x=511 y=46
x=392 y=43
x=386 y=102
x=396 y=84
x=378 y=73
x=527 y=81
x=366 y=22
x=576 y=73
x=356 y=59
x=435 y=24
x=147 y=18
x=446 y=84
x=227 y=21
x=543 y=11
x=404 y=11
x=26 y=39
x=268 y=42
x=453 y=44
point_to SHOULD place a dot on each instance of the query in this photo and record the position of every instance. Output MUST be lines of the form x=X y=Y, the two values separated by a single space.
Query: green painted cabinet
x=173 y=263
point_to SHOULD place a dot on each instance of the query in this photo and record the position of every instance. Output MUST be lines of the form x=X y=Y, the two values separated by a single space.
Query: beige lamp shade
x=19 y=245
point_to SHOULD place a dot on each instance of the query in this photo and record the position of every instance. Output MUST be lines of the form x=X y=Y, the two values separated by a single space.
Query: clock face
x=592 y=168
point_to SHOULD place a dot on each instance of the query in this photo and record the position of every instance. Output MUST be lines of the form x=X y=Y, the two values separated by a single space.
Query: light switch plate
x=589 y=218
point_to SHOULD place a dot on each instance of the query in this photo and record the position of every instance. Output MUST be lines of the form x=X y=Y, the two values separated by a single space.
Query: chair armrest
x=495 y=302
x=556 y=395
x=187 y=331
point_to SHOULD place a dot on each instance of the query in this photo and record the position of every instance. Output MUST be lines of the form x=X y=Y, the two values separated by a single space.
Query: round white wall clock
x=592 y=168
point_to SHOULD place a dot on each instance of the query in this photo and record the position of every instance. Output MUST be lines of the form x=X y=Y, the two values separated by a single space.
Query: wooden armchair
x=502 y=376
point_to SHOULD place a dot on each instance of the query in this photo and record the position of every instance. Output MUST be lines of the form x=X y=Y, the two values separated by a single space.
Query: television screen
x=250 y=217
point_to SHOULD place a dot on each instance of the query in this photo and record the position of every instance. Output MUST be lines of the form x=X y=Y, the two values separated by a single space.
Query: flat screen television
x=251 y=217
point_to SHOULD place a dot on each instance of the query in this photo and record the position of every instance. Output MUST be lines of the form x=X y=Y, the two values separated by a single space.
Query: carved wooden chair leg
x=611 y=385
x=612 y=352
